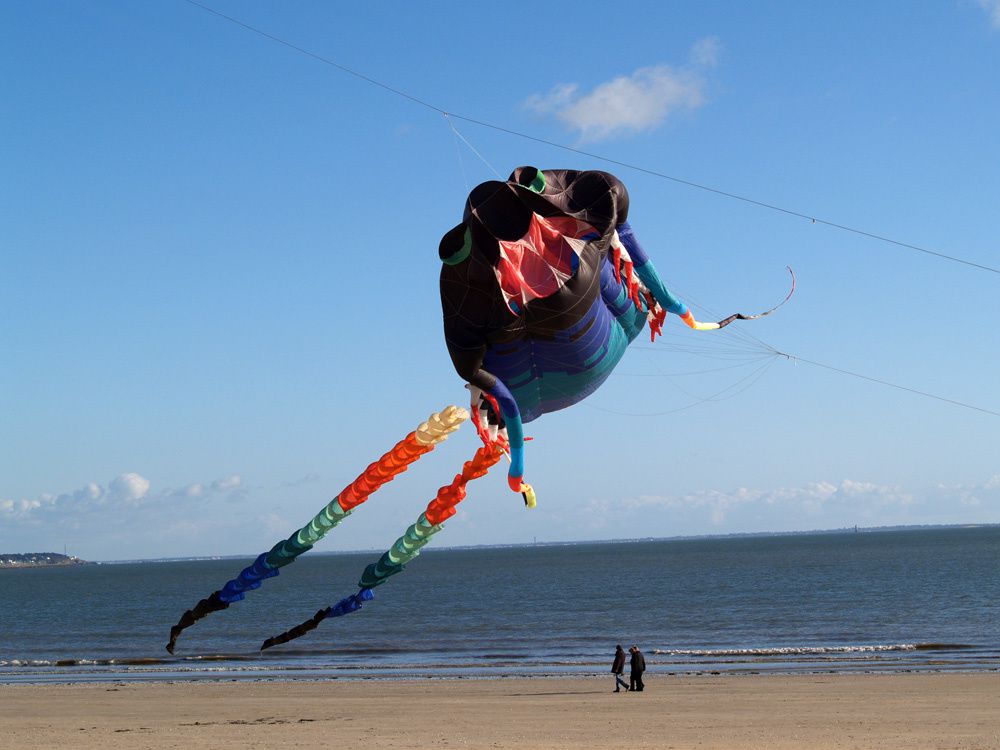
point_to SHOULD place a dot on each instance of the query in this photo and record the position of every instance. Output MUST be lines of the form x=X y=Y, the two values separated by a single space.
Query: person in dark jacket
x=618 y=669
x=637 y=664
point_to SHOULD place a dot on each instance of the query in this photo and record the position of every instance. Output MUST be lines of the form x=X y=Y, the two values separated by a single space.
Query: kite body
x=543 y=287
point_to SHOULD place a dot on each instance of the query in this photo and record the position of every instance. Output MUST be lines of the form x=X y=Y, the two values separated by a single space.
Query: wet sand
x=922 y=711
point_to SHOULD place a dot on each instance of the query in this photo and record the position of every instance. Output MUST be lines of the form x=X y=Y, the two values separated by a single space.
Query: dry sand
x=757 y=711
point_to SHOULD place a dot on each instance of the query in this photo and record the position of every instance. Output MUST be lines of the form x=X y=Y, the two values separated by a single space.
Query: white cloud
x=630 y=103
x=706 y=52
x=817 y=505
x=226 y=483
x=992 y=8
x=17 y=509
x=975 y=496
x=126 y=491
x=127 y=488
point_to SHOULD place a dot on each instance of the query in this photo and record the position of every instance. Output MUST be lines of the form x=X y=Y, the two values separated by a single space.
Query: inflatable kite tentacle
x=647 y=273
x=515 y=436
x=699 y=326
x=494 y=398
x=440 y=509
x=202 y=609
x=420 y=441
x=406 y=547
x=267 y=565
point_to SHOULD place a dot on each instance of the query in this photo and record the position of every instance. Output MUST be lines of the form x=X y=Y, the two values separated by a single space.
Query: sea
x=857 y=601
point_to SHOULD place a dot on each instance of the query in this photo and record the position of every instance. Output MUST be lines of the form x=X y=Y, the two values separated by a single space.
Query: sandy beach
x=757 y=711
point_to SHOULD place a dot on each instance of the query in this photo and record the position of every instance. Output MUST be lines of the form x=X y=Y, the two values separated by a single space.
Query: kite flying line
x=951 y=401
x=544 y=141
x=520 y=242
x=756 y=344
x=654 y=173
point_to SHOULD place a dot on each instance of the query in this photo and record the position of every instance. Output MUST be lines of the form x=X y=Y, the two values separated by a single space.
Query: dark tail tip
x=202 y=609
x=297 y=632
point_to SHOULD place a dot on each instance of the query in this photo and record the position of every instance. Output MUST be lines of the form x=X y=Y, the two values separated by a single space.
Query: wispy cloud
x=811 y=506
x=631 y=103
x=126 y=491
x=310 y=478
x=705 y=53
x=992 y=8
x=226 y=483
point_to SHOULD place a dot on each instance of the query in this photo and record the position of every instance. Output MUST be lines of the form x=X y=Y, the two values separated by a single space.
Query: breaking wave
x=811 y=650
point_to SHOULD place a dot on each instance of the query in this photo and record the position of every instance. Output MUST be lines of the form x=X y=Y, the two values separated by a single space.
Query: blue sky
x=218 y=272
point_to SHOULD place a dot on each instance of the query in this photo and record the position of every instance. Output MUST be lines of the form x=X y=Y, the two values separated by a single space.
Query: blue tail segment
x=250 y=578
x=345 y=606
x=350 y=603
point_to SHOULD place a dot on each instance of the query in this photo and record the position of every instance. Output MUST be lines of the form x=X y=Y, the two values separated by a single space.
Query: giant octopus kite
x=543 y=286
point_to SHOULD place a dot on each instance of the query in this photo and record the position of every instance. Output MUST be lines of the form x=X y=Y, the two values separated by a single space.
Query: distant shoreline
x=11 y=560
x=620 y=540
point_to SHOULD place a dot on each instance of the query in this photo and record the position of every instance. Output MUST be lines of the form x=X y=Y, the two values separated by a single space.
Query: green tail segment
x=436 y=429
x=404 y=549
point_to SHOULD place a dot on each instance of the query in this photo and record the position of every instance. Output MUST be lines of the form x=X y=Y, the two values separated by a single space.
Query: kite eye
x=533 y=179
x=455 y=246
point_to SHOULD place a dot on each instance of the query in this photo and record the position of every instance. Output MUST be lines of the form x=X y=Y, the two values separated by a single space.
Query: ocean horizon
x=571 y=542
x=911 y=599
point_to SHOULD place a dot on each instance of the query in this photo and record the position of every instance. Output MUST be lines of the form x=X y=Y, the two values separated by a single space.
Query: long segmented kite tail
x=436 y=429
x=408 y=546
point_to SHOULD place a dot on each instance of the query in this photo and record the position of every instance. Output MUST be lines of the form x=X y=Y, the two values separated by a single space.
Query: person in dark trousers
x=637 y=664
x=618 y=669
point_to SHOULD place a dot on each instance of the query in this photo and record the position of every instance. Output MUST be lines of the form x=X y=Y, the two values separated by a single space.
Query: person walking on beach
x=618 y=669
x=637 y=665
